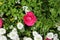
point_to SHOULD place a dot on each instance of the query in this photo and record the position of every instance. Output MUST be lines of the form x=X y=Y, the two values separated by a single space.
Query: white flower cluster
x=37 y=36
x=13 y=35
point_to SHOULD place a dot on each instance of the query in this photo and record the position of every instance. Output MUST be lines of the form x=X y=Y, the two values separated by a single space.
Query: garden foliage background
x=46 y=11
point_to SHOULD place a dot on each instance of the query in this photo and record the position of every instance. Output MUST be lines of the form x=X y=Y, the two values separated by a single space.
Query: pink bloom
x=1 y=22
x=48 y=39
x=29 y=18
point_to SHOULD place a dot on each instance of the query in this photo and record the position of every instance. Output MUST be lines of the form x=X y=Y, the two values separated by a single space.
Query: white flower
x=37 y=36
x=58 y=28
x=2 y=31
x=25 y=8
x=50 y=35
x=13 y=35
x=2 y=37
x=20 y=26
x=27 y=38
x=55 y=37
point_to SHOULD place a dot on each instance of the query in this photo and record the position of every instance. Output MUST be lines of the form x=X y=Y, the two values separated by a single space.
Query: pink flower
x=1 y=22
x=29 y=18
x=48 y=39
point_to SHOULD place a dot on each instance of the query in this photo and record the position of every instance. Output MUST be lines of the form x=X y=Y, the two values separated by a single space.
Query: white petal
x=14 y=30
x=20 y=25
x=2 y=31
x=55 y=39
x=18 y=1
x=25 y=8
x=50 y=35
x=27 y=38
x=17 y=38
x=58 y=28
x=37 y=38
x=55 y=35
x=3 y=37
x=34 y=33
x=13 y=34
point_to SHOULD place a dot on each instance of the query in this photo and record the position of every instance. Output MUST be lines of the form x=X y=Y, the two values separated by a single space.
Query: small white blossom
x=58 y=28
x=50 y=35
x=2 y=37
x=37 y=36
x=25 y=8
x=55 y=37
x=2 y=31
x=27 y=38
x=13 y=35
x=20 y=26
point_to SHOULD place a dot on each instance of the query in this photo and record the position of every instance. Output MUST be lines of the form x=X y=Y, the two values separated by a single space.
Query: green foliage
x=46 y=11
